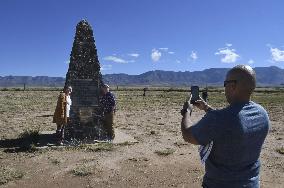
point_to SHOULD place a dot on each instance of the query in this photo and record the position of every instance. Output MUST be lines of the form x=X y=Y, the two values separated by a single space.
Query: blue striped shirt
x=238 y=133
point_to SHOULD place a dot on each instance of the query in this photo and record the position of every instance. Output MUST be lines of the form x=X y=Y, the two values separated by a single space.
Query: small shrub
x=31 y=135
x=126 y=143
x=139 y=159
x=165 y=152
x=9 y=174
x=280 y=150
x=32 y=148
x=180 y=143
x=82 y=170
x=55 y=161
x=4 y=89
x=97 y=147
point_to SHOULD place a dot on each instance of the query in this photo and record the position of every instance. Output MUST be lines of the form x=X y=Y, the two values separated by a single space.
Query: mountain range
x=266 y=76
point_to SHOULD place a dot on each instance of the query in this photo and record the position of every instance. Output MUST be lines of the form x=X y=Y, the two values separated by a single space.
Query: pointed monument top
x=83 y=23
x=84 y=62
x=85 y=27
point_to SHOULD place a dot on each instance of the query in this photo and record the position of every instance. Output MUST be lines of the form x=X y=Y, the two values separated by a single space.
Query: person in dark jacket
x=108 y=105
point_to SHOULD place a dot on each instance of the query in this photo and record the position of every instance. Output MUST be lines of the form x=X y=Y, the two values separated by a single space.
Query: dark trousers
x=60 y=132
x=108 y=125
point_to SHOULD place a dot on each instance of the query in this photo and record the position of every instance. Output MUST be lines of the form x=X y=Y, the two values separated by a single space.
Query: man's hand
x=202 y=105
x=186 y=122
x=187 y=107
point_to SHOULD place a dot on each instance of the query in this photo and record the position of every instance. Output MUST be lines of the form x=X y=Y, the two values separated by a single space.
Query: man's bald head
x=245 y=77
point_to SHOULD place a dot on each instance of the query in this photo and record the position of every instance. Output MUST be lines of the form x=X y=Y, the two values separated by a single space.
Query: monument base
x=48 y=139
x=85 y=123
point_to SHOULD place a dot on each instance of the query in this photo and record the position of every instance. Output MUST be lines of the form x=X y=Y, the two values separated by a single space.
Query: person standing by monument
x=236 y=133
x=61 y=114
x=108 y=105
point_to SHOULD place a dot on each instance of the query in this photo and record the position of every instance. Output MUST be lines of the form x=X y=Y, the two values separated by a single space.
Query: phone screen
x=194 y=93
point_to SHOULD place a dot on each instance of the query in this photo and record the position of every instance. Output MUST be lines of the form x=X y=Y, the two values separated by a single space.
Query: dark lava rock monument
x=85 y=78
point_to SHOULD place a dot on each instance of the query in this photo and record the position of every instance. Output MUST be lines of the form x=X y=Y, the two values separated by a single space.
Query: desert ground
x=159 y=158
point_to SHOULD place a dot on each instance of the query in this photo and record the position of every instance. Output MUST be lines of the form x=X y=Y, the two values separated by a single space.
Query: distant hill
x=37 y=81
x=266 y=76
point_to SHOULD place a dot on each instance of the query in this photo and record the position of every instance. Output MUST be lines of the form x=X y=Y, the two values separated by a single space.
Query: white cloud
x=106 y=67
x=156 y=55
x=228 y=45
x=171 y=52
x=178 y=61
x=131 y=61
x=164 y=49
x=134 y=55
x=251 y=61
x=67 y=61
x=277 y=54
x=228 y=55
x=115 y=59
x=193 y=56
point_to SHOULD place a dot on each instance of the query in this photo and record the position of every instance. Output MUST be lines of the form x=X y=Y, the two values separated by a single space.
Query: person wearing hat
x=61 y=114
x=108 y=105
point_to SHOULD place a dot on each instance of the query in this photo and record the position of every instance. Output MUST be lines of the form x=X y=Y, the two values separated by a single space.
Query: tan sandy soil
x=153 y=121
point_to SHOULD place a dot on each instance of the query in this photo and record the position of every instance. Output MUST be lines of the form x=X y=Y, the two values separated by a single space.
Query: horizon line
x=141 y=73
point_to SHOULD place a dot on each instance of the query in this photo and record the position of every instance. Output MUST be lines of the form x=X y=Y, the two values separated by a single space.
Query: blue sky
x=134 y=36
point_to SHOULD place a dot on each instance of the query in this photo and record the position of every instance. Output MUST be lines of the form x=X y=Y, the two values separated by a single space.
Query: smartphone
x=195 y=94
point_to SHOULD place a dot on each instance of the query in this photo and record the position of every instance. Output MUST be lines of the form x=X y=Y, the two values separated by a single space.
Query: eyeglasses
x=229 y=81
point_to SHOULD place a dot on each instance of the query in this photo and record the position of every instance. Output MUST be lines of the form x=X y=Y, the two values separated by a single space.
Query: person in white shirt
x=61 y=114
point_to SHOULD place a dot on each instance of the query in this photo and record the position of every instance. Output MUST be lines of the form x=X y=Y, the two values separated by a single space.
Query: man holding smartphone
x=237 y=131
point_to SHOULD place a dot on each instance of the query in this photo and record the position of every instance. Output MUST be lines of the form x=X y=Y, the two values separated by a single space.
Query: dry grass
x=9 y=174
x=82 y=170
x=165 y=152
x=55 y=161
x=152 y=120
x=97 y=147
x=30 y=135
x=126 y=143
x=280 y=150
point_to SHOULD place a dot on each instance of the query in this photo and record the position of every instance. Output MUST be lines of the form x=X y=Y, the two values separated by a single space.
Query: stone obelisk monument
x=85 y=78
